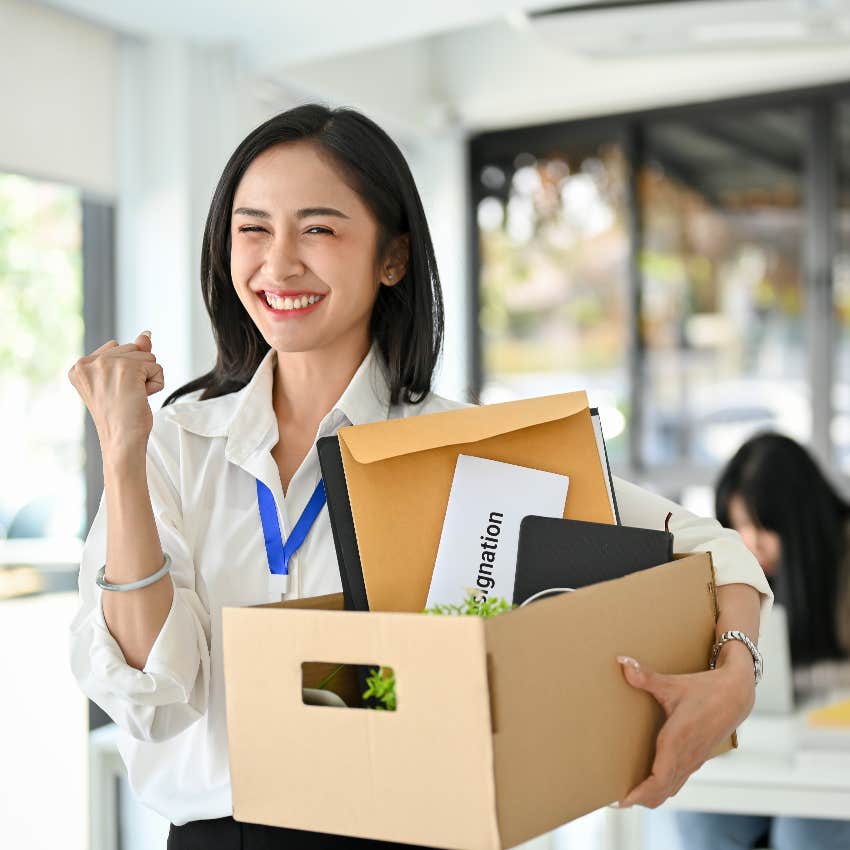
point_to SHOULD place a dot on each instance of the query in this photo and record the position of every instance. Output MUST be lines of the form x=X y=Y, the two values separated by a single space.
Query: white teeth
x=289 y=303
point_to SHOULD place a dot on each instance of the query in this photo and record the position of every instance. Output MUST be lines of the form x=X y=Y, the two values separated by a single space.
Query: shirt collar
x=246 y=417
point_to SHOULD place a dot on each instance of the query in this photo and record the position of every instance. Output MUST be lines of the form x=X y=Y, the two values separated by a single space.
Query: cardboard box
x=505 y=728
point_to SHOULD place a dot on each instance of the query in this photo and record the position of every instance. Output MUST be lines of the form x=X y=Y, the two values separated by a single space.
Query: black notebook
x=565 y=553
x=342 y=525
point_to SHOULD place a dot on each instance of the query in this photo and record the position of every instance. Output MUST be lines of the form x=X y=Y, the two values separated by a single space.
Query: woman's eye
x=317 y=229
x=251 y=228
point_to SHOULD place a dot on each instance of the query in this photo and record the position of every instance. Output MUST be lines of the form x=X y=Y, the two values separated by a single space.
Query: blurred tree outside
x=41 y=334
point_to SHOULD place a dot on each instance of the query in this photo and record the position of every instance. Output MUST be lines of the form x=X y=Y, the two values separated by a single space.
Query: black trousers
x=228 y=834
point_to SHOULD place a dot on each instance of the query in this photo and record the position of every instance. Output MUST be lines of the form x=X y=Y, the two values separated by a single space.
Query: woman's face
x=764 y=544
x=303 y=256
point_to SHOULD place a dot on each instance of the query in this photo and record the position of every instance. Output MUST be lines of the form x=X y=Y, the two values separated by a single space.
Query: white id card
x=278 y=585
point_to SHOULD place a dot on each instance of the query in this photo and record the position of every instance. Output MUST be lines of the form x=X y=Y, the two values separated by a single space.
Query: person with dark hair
x=319 y=277
x=797 y=525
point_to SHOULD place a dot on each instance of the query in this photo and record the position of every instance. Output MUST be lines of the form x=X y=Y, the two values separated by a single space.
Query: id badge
x=278 y=584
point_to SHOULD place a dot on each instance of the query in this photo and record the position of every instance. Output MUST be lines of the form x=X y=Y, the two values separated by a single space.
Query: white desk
x=770 y=774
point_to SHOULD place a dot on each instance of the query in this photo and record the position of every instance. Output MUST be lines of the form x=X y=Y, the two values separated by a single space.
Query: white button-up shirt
x=203 y=461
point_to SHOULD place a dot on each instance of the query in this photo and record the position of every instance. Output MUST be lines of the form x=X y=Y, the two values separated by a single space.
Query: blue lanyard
x=278 y=551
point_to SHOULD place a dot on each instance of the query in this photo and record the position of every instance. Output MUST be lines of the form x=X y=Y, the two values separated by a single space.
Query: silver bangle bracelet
x=734 y=634
x=101 y=582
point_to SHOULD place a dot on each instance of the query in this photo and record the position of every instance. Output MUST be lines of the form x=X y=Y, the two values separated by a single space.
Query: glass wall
x=722 y=284
x=42 y=514
x=42 y=498
x=668 y=262
x=553 y=294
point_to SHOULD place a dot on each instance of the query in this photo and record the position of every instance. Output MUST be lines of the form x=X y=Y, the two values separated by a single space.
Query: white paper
x=478 y=544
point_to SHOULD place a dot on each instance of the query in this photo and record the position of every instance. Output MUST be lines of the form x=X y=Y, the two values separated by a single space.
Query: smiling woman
x=320 y=203
x=320 y=280
x=319 y=277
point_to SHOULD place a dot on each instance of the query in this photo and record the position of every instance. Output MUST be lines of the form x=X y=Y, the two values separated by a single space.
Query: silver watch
x=758 y=663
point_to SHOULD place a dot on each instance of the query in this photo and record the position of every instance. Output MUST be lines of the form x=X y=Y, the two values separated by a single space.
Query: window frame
x=99 y=322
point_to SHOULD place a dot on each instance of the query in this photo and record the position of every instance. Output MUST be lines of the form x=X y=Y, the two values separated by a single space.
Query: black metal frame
x=99 y=321
x=820 y=170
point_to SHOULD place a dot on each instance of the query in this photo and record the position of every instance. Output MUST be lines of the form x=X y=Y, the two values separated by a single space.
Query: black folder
x=565 y=553
x=342 y=525
x=345 y=541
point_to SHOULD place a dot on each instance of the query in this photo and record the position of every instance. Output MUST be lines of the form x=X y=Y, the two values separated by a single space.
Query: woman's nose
x=282 y=260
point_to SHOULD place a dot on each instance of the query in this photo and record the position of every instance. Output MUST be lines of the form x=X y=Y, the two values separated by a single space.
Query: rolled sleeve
x=733 y=562
x=171 y=692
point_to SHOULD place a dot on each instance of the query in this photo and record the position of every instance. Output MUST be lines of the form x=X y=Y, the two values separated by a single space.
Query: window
x=673 y=263
x=553 y=295
x=42 y=502
x=42 y=511
x=722 y=284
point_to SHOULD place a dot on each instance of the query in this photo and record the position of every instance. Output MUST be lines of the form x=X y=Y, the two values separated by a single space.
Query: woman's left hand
x=702 y=710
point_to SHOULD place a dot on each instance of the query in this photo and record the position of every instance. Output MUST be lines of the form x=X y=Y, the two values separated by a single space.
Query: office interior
x=647 y=200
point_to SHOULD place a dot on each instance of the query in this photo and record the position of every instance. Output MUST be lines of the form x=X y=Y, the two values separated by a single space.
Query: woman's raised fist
x=114 y=382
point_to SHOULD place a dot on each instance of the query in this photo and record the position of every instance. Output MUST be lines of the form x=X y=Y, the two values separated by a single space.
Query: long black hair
x=784 y=491
x=407 y=319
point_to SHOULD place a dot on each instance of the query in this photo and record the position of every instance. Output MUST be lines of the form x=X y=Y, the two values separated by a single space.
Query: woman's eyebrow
x=309 y=212
x=306 y=212
x=254 y=213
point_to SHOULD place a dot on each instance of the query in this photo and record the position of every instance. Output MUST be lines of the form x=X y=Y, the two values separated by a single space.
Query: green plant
x=381 y=681
x=472 y=606
x=381 y=684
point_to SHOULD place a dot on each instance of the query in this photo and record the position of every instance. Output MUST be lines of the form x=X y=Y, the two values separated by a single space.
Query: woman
x=319 y=277
x=797 y=526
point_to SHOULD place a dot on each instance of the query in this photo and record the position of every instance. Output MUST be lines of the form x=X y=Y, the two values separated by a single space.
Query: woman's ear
x=396 y=260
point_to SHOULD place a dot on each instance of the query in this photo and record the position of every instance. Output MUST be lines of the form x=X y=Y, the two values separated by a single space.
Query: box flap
x=572 y=735
x=329 y=602
x=381 y=440
x=422 y=774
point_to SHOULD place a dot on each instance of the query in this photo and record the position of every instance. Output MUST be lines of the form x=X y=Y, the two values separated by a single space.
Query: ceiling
x=481 y=64
x=273 y=35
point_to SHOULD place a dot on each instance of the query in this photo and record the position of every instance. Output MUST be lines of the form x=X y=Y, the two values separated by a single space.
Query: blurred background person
x=798 y=526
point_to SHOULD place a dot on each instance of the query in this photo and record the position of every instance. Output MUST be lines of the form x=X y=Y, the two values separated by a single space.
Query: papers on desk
x=478 y=545
x=823 y=734
x=835 y=715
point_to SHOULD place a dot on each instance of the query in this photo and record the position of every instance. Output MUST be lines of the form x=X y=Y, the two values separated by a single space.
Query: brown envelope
x=399 y=474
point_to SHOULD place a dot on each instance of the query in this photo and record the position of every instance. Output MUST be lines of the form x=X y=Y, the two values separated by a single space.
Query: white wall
x=183 y=109
x=439 y=164
x=57 y=97
x=43 y=728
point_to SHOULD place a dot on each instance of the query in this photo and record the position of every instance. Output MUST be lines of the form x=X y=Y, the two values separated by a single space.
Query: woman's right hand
x=115 y=382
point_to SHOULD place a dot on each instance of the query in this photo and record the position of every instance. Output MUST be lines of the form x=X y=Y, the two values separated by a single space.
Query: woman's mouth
x=290 y=303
